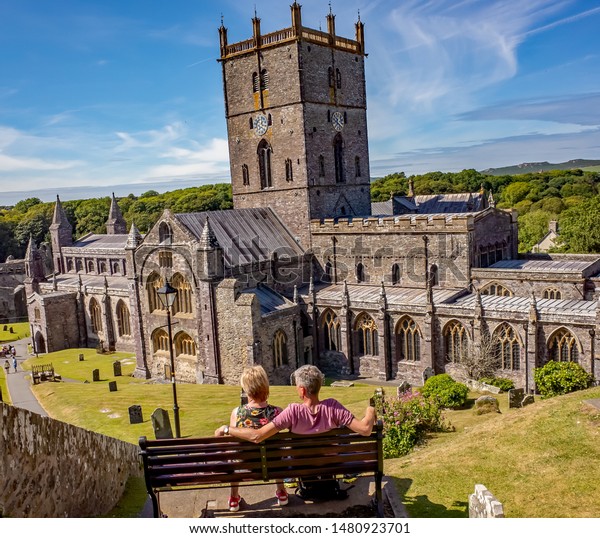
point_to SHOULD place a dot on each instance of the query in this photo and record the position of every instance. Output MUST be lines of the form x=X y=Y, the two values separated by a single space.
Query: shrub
x=556 y=378
x=406 y=420
x=446 y=391
x=501 y=382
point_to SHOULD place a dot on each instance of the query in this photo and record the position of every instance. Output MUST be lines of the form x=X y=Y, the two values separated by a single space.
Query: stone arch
x=264 y=152
x=366 y=334
x=165 y=233
x=408 y=340
x=184 y=344
x=331 y=330
x=40 y=343
x=95 y=315
x=153 y=283
x=494 y=288
x=456 y=341
x=123 y=319
x=396 y=273
x=507 y=346
x=280 y=353
x=160 y=341
x=563 y=346
x=184 y=299
x=552 y=293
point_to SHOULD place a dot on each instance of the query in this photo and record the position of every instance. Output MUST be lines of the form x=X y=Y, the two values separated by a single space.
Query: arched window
x=255 y=82
x=184 y=344
x=357 y=170
x=338 y=78
x=289 y=174
x=395 y=274
x=321 y=166
x=115 y=268
x=367 y=336
x=103 y=267
x=456 y=341
x=264 y=164
x=69 y=264
x=160 y=341
x=95 y=316
x=507 y=347
x=280 y=354
x=562 y=347
x=330 y=77
x=360 y=272
x=90 y=266
x=153 y=283
x=496 y=289
x=552 y=293
x=408 y=340
x=165 y=234
x=328 y=272
x=183 y=299
x=332 y=332
x=434 y=275
x=338 y=157
x=264 y=80
x=78 y=265
x=123 y=319
x=245 y=175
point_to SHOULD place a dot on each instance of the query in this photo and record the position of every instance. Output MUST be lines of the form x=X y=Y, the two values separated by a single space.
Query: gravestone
x=529 y=399
x=135 y=414
x=6 y=327
x=427 y=373
x=81 y=357
x=11 y=330
x=486 y=404
x=402 y=388
x=112 y=386
x=117 y=368
x=515 y=397
x=161 y=424
x=96 y=375
x=483 y=504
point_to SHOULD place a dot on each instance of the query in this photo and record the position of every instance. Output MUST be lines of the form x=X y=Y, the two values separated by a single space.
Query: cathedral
x=305 y=269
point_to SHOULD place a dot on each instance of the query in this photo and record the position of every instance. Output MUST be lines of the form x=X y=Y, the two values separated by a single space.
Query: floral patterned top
x=255 y=417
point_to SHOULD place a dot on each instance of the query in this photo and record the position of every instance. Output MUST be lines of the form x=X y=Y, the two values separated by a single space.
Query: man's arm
x=250 y=434
x=364 y=426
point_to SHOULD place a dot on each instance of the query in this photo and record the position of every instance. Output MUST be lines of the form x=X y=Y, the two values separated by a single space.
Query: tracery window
x=184 y=344
x=264 y=164
x=456 y=341
x=183 y=299
x=408 y=340
x=496 y=289
x=507 y=347
x=153 y=283
x=367 y=335
x=562 y=346
x=95 y=316
x=160 y=341
x=552 y=293
x=280 y=354
x=123 y=319
x=165 y=259
x=332 y=332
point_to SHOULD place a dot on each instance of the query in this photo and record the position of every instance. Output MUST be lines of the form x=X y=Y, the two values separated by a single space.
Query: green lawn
x=3 y=387
x=21 y=330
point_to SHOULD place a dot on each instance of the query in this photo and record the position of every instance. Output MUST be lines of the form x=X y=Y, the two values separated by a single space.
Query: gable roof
x=463 y=202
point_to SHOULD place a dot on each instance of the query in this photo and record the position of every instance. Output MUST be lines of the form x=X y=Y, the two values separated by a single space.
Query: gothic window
x=251 y=122
x=552 y=293
x=90 y=266
x=332 y=332
x=357 y=170
x=289 y=175
x=367 y=336
x=245 y=175
x=103 y=267
x=328 y=272
x=360 y=272
x=330 y=76
x=329 y=116
x=115 y=268
x=69 y=264
x=338 y=78
x=507 y=347
x=280 y=356
x=153 y=283
x=95 y=316
x=184 y=344
x=165 y=259
x=321 y=166
x=160 y=341
x=496 y=289
x=269 y=120
x=264 y=80
x=255 y=82
x=78 y=265
x=456 y=341
x=37 y=314
x=408 y=340
x=165 y=234
x=346 y=119
x=338 y=156
x=264 y=164
x=434 y=275
x=123 y=319
x=562 y=347
x=183 y=299
x=395 y=274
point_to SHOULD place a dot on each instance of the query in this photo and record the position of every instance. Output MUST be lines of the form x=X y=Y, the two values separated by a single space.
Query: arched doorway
x=40 y=343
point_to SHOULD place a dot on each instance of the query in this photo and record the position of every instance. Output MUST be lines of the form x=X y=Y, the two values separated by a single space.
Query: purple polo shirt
x=297 y=418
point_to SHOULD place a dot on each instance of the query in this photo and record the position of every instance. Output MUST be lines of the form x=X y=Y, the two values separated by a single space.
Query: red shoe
x=234 y=503
x=282 y=497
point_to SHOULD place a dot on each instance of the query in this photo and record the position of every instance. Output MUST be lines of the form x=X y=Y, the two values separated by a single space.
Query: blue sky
x=109 y=92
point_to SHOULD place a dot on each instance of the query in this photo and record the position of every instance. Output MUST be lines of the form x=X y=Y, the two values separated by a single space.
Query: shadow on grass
x=421 y=506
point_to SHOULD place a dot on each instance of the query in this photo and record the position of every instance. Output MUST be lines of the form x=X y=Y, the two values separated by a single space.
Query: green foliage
x=394 y=183
x=406 y=421
x=502 y=383
x=580 y=227
x=532 y=227
x=447 y=392
x=556 y=378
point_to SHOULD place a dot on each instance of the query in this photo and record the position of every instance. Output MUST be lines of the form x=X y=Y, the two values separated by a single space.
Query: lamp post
x=167 y=295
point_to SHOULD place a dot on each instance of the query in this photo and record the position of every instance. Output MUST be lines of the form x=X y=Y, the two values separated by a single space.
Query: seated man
x=310 y=417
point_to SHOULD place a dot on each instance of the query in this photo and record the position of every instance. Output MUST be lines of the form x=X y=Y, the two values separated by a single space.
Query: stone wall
x=482 y=504
x=53 y=469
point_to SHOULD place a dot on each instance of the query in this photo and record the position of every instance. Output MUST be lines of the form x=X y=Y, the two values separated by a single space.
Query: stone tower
x=61 y=233
x=116 y=223
x=295 y=104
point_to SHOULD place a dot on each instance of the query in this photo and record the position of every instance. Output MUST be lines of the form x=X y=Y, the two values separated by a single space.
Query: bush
x=556 y=378
x=501 y=382
x=406 y=420
x=445 y=391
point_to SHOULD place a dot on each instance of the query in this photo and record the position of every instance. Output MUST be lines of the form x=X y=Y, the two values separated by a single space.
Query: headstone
x=161 y=424
x=427 y=373
x=482 y=504
x=96 y=375
x=135 y=414
x=515 y=397
x=112 y=386
x=81 y=357
x=11 y=330
x=6 y=327
x=402 y=388
x=529 y=399
x=117 y=368
x=486 y=404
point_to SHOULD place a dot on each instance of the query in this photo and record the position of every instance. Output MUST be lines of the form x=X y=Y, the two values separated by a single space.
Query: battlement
x=12 y=267
x=457 y=223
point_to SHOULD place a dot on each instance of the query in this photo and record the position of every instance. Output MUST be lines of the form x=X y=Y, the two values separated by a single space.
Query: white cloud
x=208 y=159
x=9 y=163
x=149 y=139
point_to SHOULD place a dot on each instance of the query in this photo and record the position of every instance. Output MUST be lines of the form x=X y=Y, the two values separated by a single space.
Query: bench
x=184 y=464
x=44 y=372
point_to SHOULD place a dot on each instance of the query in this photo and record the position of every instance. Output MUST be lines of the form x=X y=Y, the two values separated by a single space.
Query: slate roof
x=270 y=301
x=545 y=266
x=464 y=202
x=101 y=241
x=71 y=282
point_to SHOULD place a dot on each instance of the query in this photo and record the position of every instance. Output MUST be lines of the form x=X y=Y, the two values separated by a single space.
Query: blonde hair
x=255 y=383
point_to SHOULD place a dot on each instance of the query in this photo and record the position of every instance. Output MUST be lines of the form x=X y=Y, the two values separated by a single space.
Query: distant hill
x=525 y=168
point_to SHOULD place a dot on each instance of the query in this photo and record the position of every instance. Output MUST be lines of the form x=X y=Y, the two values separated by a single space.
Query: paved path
x=19 y=384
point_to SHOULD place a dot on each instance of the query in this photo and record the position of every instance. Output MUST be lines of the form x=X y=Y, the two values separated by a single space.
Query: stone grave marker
x=486 y=404
x=11 y=330
x=402 y=388
x=515 y=397
x=161 y=424
x=117 y=368
x=528 y=399
x=135 y=414
x=96 y=375
x=112 y=386
x=427 y=373
x=6 y=328
x=81 y=357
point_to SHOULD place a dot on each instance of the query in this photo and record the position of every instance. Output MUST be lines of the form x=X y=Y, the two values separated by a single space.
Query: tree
x=480 y=359
x=515 y=192
x=580 y=227
x=532 y=227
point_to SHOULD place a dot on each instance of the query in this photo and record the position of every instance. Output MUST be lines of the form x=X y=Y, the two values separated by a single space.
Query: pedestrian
x=15 y=363
x=7 y=367
x=13 y=351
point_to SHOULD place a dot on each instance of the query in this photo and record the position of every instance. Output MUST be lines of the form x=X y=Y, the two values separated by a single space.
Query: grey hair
x=309 y=377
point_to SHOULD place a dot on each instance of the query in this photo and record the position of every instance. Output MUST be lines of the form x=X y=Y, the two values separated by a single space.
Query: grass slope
x=21 y=330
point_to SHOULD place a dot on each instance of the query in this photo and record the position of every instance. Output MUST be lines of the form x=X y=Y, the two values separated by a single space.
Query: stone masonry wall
x=53 y=469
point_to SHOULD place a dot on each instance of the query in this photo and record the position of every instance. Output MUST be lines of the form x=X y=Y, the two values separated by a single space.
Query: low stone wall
x=482 y=504
x=52 y=469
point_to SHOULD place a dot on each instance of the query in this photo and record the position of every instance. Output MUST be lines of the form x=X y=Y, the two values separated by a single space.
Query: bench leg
x=379 y=493
x=155 y=504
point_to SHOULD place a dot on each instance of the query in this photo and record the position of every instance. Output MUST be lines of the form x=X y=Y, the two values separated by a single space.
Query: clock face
x=260 y=125
x=337 y=119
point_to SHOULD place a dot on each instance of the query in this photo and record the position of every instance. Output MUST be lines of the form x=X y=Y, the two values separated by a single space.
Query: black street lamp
x=167 y=295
